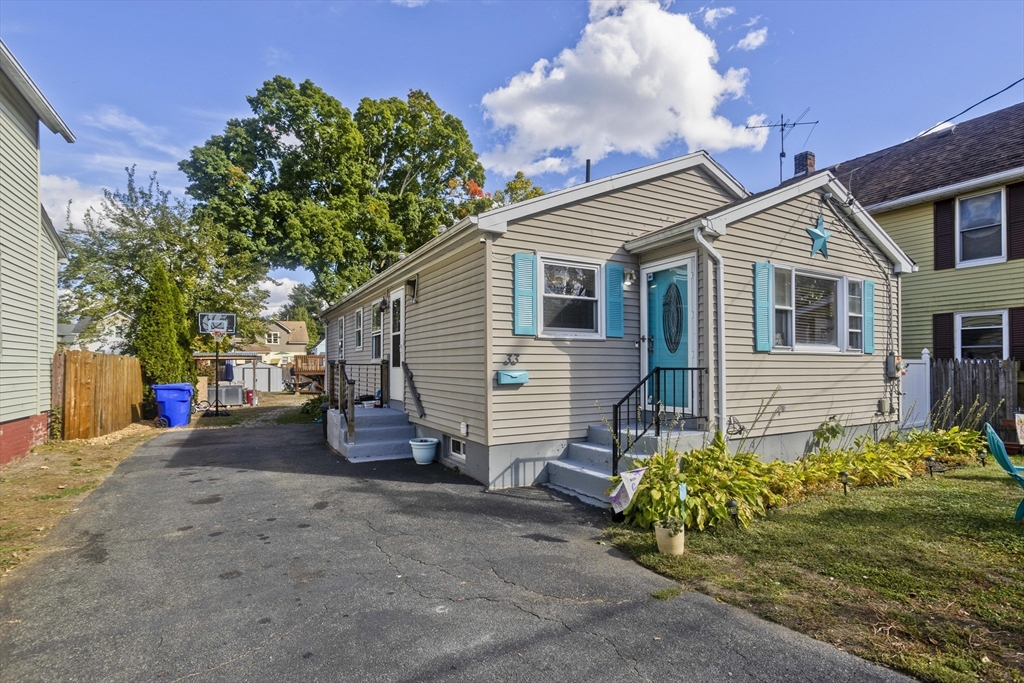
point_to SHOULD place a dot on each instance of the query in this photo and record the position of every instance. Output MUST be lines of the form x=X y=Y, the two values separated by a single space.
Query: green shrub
x=311 y=406
x=953 y=446
x=657 y=495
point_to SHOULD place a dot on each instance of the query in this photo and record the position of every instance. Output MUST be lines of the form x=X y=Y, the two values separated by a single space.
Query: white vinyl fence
x=916 y=403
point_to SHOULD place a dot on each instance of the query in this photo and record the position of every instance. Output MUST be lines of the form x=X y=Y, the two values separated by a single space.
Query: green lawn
x=927 y=577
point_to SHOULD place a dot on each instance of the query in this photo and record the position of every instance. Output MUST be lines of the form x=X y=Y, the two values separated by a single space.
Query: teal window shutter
x=763 y=278
x=614 y=314
x=525 y=295
x=869 y=316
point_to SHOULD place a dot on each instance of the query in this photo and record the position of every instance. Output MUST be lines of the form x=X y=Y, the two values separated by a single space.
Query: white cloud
x=752 y=21
x=712 y=15
x=57 y=190
x=409 y=3
x=753 y=40
x=278 y=290
x=113 y=119
x=640 y=77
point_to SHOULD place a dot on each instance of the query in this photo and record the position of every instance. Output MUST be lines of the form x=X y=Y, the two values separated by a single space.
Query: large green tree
x=159 y=342
x=112 y=254
x=304 y=183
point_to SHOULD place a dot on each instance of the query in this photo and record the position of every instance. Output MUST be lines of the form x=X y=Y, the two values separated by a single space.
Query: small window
x=570 y=298
x=341 y=337
x=457 y=449
x=376 y=332
x=783 y=308
x=855 y=307
x=359 y=329
x=815 y=310
x=981 y=335
x=980 y=233
x=273 y=338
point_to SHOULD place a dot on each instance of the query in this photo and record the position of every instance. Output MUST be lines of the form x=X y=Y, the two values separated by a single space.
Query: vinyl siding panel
x=953 y=290
x=573 y=383
x=444 y=337
x=27 y=266
x=812 y=385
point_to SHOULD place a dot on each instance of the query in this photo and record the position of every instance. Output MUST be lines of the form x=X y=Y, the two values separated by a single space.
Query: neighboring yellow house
x=954 y=202
x=282 y=341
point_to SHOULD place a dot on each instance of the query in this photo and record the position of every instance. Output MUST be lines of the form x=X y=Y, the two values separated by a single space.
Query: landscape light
x=930 y=462
x=844 y=477
x=734 y=512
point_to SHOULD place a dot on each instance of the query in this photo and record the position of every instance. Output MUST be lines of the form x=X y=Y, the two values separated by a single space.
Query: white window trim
x=842 y=313
x=341 y=337
x=359 y=329
x=956 y=233
x=562 y=259
x=276 y=338
x=846 y=300
x=376 y=333
x=958 y=319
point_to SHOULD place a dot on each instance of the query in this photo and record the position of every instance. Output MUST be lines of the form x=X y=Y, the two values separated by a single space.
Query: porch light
x=930 y=462
x=628 y=277
x=384 y=302
x=734 y=511
x=844 y=477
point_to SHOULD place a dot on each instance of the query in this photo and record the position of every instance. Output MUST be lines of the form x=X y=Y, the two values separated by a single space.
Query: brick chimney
x=803 y=164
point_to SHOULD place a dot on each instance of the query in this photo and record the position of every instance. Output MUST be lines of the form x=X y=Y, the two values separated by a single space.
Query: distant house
x=30 y=252
x=954 y=201
x=282 y=341
x=108 y=334
x=669 y=289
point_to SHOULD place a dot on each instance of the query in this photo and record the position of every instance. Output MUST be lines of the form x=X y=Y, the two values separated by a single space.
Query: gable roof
x=497 y=220
x=717 y=220
x=297 y=332
x=24 y=84
x=983 y=147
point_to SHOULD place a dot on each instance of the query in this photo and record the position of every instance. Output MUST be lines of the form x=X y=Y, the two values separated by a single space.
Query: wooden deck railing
x=309 y=365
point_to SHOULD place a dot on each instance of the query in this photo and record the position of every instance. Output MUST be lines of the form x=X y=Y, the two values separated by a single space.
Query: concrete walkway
x=254 y=555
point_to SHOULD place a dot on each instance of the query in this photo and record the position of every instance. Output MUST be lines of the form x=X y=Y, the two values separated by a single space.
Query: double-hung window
x=273 y=338
x=358 y=327
x=980 y=229
x=818 y=312
x=981 y=335
x=570 y=298
x=376 y=332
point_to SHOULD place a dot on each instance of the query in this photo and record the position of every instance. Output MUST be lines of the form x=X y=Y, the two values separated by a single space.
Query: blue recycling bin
x=174 y=403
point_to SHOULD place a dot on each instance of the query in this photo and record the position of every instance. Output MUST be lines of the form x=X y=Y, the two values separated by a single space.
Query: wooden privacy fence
x=991 y=382
x=102 y=393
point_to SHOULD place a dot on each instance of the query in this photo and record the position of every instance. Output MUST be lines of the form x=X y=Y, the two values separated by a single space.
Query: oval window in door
x=672 y=318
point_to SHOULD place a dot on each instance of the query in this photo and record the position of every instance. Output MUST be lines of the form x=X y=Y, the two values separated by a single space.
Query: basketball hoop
x=218 y=326
x=218 y=335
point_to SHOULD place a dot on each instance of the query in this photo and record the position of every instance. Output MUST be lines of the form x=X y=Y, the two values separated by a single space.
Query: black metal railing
x=366 y=377
x=665 y=397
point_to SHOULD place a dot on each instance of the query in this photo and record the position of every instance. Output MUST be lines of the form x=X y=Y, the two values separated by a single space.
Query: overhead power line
x=971 y=107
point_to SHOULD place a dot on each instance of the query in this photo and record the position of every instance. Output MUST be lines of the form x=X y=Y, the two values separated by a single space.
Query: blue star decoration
x=819 y=238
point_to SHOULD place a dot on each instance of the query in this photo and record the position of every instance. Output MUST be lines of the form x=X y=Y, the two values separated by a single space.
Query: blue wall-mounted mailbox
x=513 y=376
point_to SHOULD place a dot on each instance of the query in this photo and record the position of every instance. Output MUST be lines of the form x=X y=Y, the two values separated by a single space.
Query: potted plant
x=423 y=450
x=669 y=533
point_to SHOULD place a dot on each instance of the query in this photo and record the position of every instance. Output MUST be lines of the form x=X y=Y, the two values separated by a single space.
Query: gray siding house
x=30 y=251
x=669 y=289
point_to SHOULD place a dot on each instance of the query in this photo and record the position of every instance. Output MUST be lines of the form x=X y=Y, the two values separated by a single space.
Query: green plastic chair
x=998 y=450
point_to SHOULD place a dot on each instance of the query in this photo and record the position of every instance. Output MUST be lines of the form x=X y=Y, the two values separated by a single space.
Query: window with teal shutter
x=615 y=323
x=525 y=294
x=763 y=306
x=869 y=316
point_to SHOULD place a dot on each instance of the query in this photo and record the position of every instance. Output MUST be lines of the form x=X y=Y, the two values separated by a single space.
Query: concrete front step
x=648 y=444
x=581 y=479
x=595 y=454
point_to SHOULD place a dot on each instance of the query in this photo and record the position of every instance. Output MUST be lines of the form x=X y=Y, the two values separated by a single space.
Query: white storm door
x=396 y=327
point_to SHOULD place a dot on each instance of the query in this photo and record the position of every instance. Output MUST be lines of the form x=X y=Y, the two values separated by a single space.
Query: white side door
x=396 y=344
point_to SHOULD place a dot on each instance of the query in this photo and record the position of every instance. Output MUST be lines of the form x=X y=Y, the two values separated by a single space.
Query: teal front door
x=668 y=334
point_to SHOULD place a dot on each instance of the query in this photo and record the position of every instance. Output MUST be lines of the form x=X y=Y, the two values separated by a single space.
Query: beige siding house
x=281 y=342
x=512 y=336
x=29 y=255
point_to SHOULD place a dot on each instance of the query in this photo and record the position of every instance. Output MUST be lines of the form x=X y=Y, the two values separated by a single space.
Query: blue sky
x=630 y=82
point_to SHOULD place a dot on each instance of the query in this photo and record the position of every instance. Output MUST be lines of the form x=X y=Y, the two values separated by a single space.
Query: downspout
x=719 y=322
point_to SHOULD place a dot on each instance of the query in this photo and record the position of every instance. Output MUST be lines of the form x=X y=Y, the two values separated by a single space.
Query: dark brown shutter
x=945 y=235
x=942 y=335
x=1017 y=333
x=1015 y=221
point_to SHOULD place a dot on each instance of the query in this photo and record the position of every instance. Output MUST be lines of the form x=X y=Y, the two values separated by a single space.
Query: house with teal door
x=656 y=306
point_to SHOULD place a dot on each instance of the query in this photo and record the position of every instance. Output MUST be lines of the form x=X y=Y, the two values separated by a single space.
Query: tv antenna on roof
x=785 y=127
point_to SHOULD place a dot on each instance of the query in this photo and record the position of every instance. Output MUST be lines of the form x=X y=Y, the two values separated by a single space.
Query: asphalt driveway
x=256 y=555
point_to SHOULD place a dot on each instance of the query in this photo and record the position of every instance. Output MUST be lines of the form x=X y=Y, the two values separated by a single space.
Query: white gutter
x=1001 y=178
x=24 y=84
x=719 y=322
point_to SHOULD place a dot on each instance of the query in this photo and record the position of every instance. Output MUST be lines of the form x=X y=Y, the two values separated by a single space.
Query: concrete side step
x=387 y=433
x=366 y=451
x=596 y=454
x=379 y=417
x=580 y=478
